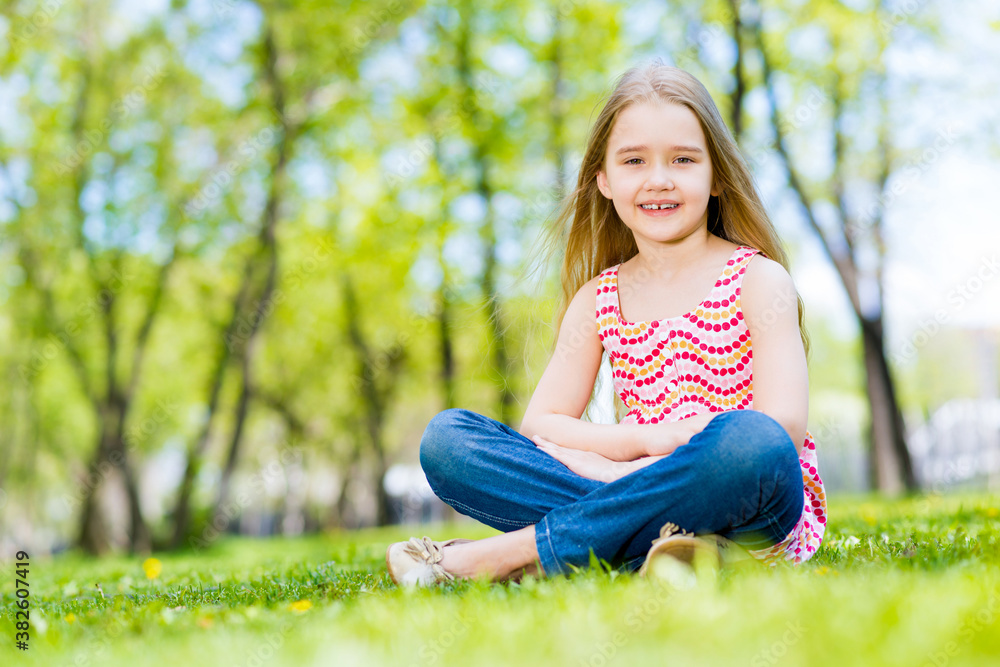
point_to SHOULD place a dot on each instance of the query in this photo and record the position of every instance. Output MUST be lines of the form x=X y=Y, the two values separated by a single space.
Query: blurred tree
x=848 y=82
x=254 y=303
x=481 y=129
x=88 y=156
x=233 y=229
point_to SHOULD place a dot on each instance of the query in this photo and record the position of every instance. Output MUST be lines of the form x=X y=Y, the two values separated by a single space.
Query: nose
x=659 y=178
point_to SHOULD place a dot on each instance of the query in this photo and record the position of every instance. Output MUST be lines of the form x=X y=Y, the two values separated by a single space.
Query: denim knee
x=757 y=439
x=437 y=445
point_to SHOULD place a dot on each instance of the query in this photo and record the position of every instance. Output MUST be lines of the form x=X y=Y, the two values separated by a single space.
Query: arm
x=780 y=372
x=567 y=384
x=590 y=464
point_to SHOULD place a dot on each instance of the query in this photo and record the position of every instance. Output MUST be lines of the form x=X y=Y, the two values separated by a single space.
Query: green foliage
x=425 y=132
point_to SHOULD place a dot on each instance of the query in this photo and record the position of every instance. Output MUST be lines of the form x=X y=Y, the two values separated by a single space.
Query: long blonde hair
x=596 y=236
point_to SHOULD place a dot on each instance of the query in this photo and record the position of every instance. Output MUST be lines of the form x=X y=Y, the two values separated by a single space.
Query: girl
x=673 y=269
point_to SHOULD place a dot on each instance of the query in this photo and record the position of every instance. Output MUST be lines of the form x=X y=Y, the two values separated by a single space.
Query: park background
x=249 y=249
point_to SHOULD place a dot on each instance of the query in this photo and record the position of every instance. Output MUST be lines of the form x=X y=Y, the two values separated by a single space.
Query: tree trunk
x=383 y=516
x=445 y=343
x=113 y=429
x=245 y=392
x=182 y=507
x=739 y=89
x=92 y=535
x=890 y=467
x=111 y=408
x=340 y=515
x=140 y=540
x=557 y=108
x=374 y=387
x=264 y=305
x=500 y=357
x=238 y=342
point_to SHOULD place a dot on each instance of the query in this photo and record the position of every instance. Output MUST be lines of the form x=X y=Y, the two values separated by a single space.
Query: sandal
x=686 y=547
x=417 y=562
x=682 y=545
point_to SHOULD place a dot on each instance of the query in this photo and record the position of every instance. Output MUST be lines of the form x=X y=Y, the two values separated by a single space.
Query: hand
x=663 y=438
x=585 y=464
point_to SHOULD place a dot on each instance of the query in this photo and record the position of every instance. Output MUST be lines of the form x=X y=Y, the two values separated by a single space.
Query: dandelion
x=152 y=567
x=822 y=570
x=70 y=618
x=301 y=606
x=992 y=512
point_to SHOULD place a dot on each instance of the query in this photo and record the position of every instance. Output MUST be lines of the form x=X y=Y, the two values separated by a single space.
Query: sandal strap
x=671 y=528
x=431 y=553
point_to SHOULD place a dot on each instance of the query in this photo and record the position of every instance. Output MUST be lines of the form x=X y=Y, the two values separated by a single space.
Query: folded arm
x=591 y=464
x=566 y=386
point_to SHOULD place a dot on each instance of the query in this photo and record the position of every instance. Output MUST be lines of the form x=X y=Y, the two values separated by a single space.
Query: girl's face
x=657 y=155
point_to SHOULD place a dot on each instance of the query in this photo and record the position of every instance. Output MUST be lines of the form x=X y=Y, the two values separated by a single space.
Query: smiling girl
x=673 y=269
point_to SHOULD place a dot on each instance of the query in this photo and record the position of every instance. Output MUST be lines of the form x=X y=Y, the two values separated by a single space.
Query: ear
x=716 y=190
x=602 y=184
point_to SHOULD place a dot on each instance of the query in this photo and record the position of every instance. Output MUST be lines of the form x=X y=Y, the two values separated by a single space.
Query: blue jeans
x=739 y=477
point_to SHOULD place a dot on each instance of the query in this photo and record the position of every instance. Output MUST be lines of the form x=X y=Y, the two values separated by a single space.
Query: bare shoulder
x=767 y=292
x=589 y=289
x=581 y=314
x=762 y=272
x=586 y=296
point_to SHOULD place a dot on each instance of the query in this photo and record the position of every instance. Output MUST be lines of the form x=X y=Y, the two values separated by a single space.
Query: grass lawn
x=913 y=582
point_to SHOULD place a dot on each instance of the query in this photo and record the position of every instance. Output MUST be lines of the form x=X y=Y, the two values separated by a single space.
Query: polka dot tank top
x=699 y=362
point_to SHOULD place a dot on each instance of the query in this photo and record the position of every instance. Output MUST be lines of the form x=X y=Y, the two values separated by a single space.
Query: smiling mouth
x=657 y=207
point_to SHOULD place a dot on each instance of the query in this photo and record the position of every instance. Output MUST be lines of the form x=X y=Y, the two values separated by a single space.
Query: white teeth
x=655 y=207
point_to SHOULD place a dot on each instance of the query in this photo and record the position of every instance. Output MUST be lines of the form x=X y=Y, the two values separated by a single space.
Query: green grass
x=914 y=582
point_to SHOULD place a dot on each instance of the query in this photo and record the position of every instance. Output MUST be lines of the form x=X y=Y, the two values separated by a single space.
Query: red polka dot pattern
x=698 y=362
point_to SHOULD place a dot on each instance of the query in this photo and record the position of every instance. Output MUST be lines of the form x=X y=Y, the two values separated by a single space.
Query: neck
x=663 y=260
